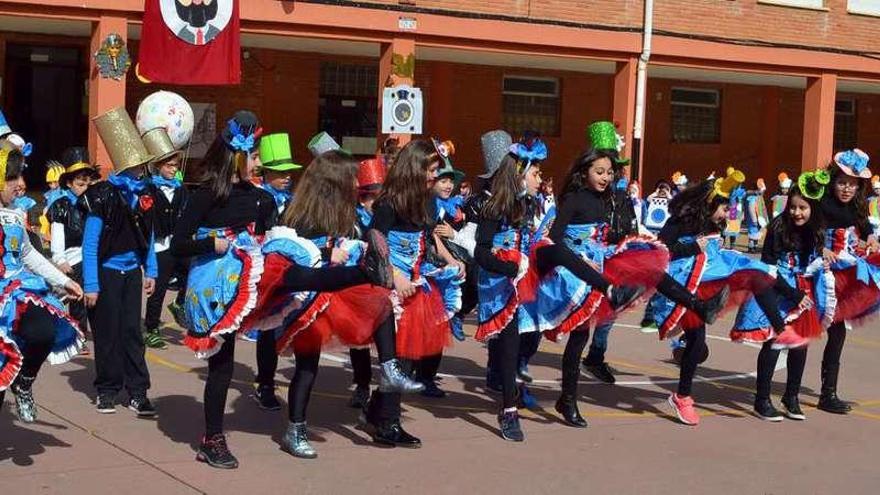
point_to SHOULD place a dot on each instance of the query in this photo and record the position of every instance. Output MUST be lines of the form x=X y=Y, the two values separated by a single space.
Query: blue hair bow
x=738 y=194
x=534 y=153
x=239 y=141
x=27 y=149
x=853 y=160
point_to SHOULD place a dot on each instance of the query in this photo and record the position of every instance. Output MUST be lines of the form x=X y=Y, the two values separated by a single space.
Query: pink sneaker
x=788 y=339
x=684 y=409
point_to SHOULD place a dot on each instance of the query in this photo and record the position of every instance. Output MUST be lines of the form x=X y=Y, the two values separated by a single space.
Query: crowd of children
x=397 y=250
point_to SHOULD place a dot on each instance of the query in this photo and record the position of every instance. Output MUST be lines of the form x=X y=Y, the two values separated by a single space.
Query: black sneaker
x=106 y=404
x=142 y=406
x=265 y=397
x=509 y=424
x=360 y=397
x=215 y=453
x=830 y=402
x=375 y=263
x=622 y=296
x=793 y=409
x=601 y=371
x=765 y=410
x=432 y=390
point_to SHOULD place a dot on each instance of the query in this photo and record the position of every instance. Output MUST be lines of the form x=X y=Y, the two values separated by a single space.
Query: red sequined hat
x=371 y=173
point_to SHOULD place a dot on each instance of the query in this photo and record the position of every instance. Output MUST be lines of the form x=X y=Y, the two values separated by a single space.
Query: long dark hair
x=506 y=203
x=805 y=239
x=859 y=201
x=220 y=164
x=405 y=187
x=14 y=165
x=576 y=179
x=694 y=207
x=324 y=199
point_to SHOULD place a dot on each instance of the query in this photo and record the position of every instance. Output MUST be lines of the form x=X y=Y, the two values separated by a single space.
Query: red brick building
x=761 y=84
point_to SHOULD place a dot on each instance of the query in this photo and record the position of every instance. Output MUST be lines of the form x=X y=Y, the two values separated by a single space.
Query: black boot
x=595 y=365
x=621 y=296
x=375 y=263
x=568 y=408
x=392 y=433
x=829 y=401
x=709 y=309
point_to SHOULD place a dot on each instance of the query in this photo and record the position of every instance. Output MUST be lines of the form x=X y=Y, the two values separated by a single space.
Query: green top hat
x=275 y=153
x=603 y=137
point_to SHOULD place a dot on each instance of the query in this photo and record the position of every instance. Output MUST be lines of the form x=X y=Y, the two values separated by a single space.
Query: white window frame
x=554 y=80
x=863 y=7
x=798 y=4
x=716 y=92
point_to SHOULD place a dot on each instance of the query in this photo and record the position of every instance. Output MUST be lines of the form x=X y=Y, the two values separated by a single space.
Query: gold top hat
x=725 y=185
x=122 y=140
x=159 y=144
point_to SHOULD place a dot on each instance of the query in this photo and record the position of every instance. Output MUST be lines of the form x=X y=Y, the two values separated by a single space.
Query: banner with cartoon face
x=197 y=22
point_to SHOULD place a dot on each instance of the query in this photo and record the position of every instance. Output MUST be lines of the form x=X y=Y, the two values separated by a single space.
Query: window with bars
x=696 y=115
x=531 y=103
x=846 y=124
x=347 y=104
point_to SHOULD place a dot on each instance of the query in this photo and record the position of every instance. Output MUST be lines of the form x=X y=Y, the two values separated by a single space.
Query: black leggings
x=795 y=363
x=571 y=359
x=37 y=329
x=361 y=366
x=834 y=346
x=508 y=362
x=220 y=368
x=554 y=255
x=301 y=389
x=427 y=368
x=267 y=359
x=690 y=359
x=768 y=301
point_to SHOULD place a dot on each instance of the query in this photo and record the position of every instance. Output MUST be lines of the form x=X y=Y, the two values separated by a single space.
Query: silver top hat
x=496 y=145
x=322 y=143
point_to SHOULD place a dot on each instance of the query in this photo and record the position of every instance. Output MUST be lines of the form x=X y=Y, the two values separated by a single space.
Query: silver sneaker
x=393 y=379
x=24 y=399
x=296 y=442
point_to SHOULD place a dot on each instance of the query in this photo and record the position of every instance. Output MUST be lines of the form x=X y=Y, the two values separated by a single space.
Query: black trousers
x=690 y=359
x=119 y=345
x=169 y=266
x=508 y=362
x=361 y=366
x=37 y=329
x=301 y=389
x=834 y=346
x=220 y=367
x=267 y=359
x=77 y=309
x=795 y=363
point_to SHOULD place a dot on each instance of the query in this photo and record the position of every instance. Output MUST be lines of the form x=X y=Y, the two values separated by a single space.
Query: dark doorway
x=44 y=102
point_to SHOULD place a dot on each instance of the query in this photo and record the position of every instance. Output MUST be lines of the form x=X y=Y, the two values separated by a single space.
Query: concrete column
x=818 y=144
x=624 y=112
x=104 y=94
x=404 y=47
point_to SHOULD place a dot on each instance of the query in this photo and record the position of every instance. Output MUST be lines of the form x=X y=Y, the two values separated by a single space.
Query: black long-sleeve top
x=671 y=235
x=486 y=231
x=774 y=250
x=247 y=204
x=842 y=216
x=576 y=208
x=385 y=219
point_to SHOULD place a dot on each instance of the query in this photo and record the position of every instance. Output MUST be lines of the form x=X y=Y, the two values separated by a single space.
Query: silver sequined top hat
x=496 y=145
x=322 y=143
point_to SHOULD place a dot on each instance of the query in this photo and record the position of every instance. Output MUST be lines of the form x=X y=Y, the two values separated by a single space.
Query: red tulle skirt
x=423 y=328
x=274 y=268
x=743 y=285
x=855 y=299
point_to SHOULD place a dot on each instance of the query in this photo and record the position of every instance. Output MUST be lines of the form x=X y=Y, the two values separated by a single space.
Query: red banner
x=191 y=42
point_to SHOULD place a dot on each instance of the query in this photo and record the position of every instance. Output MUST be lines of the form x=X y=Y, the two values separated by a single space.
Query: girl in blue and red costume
x=793 y=245
x=505 y=234
x=854 y=255
x=34 y=327
x=423 y=292
x=318 y=230
x=222 y=229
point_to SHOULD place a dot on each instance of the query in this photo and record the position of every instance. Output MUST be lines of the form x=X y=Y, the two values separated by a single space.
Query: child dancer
x=317 y=230
x=504 y=238
x=67 y=219
x=793 y=243
x=404 y=213
x=222 y=229
x=170 y=196
x=119 y=266
x=34 y=327
x=779 y=200
x=851 y=249
x=756 y=214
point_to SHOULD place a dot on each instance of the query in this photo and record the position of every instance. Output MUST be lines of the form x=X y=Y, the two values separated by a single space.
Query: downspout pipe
x=641 y=89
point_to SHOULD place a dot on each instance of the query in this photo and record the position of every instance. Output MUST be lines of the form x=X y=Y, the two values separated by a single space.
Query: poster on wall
x=205 y=129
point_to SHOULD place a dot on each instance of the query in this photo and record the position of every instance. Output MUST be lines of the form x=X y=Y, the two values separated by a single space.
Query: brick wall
x=737 y=19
